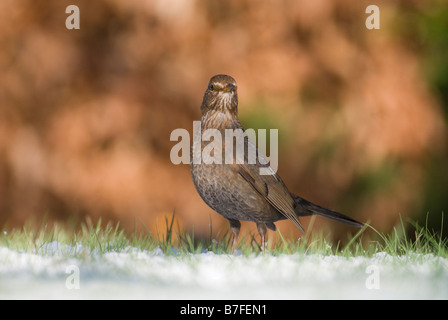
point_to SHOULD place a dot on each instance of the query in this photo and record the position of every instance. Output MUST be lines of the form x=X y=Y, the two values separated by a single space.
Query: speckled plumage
x=235 y=190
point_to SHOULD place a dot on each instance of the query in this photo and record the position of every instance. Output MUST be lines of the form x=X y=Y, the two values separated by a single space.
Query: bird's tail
x=306 y=208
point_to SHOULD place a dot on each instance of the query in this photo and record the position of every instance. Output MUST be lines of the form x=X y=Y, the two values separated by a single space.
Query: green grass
x=101 y=238
x=96 y=238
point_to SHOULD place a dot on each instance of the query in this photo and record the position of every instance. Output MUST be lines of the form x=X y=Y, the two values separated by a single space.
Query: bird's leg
x=235 y=227
x=261 y=226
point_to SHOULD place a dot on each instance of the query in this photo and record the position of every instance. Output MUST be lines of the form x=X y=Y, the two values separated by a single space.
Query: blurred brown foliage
x=86 y=115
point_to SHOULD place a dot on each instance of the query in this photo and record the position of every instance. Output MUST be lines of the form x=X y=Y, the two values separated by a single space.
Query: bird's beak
x=230 y=87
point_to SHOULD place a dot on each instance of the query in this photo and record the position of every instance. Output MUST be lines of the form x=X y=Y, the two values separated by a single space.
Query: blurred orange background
x=86 y=115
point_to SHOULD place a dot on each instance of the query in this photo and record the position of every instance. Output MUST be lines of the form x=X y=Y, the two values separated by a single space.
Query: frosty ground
x=59 y=271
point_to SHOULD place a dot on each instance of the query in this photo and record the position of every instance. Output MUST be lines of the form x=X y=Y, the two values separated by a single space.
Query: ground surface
x=57 y=271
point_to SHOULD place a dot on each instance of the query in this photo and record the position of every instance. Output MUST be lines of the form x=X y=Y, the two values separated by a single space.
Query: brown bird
x=237 y=190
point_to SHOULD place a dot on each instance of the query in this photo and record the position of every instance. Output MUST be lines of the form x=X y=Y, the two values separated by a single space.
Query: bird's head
x=221 y=96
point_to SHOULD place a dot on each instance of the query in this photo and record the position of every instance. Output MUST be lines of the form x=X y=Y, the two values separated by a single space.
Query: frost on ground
x=66 y=272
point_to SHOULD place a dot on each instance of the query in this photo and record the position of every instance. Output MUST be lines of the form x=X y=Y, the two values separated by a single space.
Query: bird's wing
x=272 y=188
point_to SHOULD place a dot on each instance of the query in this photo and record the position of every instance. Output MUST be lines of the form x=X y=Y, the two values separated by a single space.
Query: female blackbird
x=236 y=189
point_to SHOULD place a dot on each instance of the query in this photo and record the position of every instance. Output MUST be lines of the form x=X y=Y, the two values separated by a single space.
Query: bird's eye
x=210 y=87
